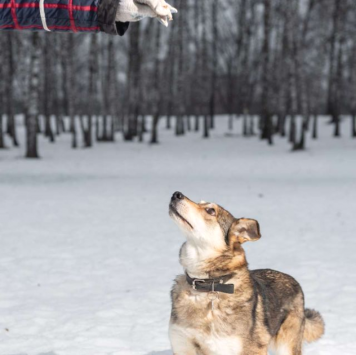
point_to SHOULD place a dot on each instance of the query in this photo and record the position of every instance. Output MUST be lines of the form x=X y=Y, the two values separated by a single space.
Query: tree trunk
x=2 y=141
x=189 y=125
x=154 y=133
x=70 y=86
x=338 y=93
x=300 y=145
x=156 y=88
x=332 y=56
x=266 y=119
x=215 y=41
x=181 y=75
x=73 y=130
x=231 y=122
x=336 y=120
x=292 y=130
x=141 y=128
x=206 y=126
x=2 y=97
x=93 y=90
x=47 y=92
x=251 y=126
x=170 y=64
x=33 y=102
x=113 y=124
x=11 y=123
x=109 y=95
x=168 y=122
x=97 y=128
x=86 y=130
x=300 y=53
x=315 y=127
x=204 y=69
x=130 y=128
x=196 y=123
x=244 y=126
x=89 y=132
x=197 y=64
x=282 y=125
x=104 y=131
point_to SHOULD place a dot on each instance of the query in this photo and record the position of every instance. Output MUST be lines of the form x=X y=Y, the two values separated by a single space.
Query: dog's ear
x=243 y=230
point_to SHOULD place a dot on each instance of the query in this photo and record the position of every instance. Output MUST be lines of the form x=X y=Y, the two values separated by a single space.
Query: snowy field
x=88 y=252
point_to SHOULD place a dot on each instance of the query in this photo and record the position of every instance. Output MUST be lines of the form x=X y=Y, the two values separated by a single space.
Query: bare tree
x=93 y=91
x=204 y=49
x=302 y=92
x=215 y=39
x=181 y=67
x=133 y=84
x=156 y=89
x=33 y=100
x=279 y=63
x=2 y=96
x=336 y=20
x=48 y=50
x=11 y=124
x=266 y=120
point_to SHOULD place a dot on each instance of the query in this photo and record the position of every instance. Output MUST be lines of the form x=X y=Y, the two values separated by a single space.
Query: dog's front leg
x=181 y=341
x=255 y=351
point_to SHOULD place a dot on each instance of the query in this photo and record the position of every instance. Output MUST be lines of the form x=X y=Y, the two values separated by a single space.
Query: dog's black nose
x=177 y=196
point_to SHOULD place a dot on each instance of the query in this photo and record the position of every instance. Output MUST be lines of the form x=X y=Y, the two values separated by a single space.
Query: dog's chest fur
x=193 y=310
x=207 y=344
x=222 y=330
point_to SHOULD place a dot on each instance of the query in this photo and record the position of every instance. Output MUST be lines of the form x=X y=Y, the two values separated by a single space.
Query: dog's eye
x=211 y=211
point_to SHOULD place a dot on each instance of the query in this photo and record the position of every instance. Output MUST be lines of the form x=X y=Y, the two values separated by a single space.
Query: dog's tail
x=314 y=325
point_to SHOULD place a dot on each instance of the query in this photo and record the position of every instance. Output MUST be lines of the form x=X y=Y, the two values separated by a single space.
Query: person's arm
x=107 y=16
x=67 y=16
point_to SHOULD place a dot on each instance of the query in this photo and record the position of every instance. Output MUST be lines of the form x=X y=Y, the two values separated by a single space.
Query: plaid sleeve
x=61 y=15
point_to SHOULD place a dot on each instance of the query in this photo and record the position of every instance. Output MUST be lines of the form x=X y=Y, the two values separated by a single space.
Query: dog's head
x=211 y=226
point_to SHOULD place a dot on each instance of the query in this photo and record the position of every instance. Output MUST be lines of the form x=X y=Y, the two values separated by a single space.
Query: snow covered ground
x=88 y=252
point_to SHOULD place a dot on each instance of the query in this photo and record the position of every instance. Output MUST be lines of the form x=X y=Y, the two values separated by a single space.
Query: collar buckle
x=194 y=283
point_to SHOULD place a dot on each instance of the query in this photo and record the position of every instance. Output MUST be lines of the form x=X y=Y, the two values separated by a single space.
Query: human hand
x=160 y=7
x=136 y=10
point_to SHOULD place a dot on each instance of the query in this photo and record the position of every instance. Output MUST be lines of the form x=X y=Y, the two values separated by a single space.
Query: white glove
x=136 y=10
x=160 y=7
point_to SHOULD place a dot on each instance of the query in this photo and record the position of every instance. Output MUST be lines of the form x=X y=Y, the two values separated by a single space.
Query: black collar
x=212 y=285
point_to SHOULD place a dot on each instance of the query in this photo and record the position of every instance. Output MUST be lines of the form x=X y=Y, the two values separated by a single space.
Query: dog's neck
x=204 y=263
x=192 y=258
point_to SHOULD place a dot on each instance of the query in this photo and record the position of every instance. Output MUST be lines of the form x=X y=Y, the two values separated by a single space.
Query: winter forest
x=249 y=105
x=275 y=67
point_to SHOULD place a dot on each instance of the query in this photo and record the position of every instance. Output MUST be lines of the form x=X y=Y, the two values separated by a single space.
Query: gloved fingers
x=145 y=10
x=151 y=3
x=136 y=10
x=163 y=21
x=132 y=12
x=160 y=7
x=173 y=9
x=164 y=10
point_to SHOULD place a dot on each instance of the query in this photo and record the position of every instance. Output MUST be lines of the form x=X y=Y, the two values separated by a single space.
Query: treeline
x=286 y=62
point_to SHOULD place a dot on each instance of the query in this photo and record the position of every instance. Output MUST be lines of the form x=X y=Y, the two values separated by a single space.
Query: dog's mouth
x=174 y=211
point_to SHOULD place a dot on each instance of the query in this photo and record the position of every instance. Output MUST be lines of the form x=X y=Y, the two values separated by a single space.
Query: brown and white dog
x=220 y=307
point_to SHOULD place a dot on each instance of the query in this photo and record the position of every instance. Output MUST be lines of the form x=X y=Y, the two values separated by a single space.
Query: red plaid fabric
x=60 y=15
